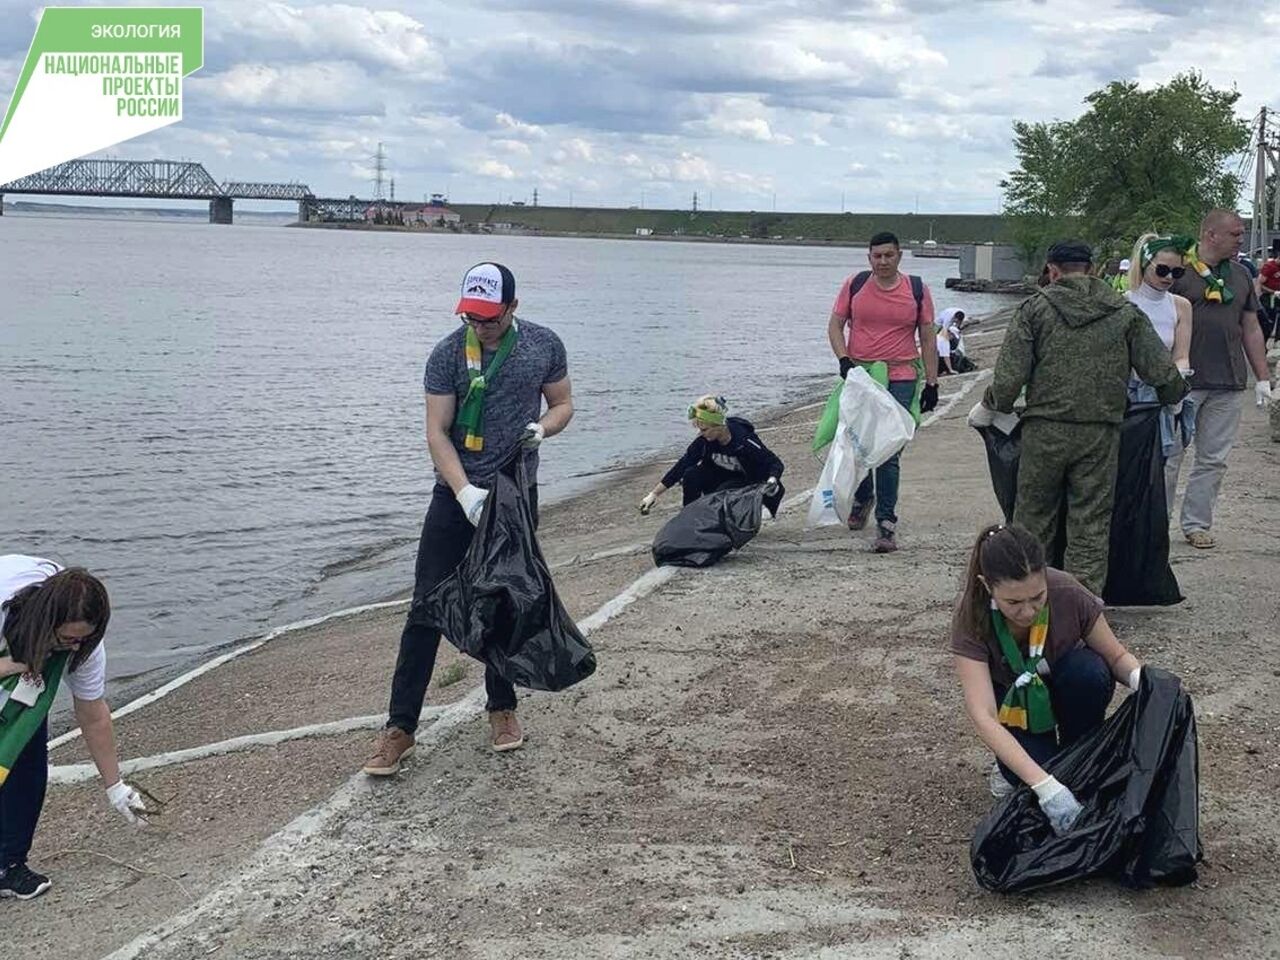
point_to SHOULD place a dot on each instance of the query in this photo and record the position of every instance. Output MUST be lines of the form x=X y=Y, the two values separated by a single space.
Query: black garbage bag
x=1003 y=453
x=500 y=605
x=1136 y=778
x=1138 y=572
x=709 y=528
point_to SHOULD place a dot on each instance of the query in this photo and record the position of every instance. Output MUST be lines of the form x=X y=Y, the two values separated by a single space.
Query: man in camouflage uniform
x=1072 y=345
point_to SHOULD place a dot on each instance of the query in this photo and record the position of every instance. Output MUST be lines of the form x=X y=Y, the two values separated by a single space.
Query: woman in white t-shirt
x=1156 y=263
x=51 y=625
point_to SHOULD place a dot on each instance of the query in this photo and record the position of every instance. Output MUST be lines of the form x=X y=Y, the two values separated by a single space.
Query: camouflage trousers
x=1071 y=467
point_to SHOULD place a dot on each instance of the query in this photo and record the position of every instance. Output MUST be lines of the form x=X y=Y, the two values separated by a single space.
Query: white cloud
x=494 y=169
x=515 y=128
x=516 y=148
x=332 y=87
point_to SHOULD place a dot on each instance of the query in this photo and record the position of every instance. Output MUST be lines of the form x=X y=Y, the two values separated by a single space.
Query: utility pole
x=393 y=189
x=379 y=170
x=535 y=196
x=695 y=201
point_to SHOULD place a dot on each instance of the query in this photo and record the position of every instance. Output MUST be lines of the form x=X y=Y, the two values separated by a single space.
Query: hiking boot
x=996 y=783
x=859 y=515
x=394 y=745
x=20 y=882
x=504 y=731
x=885 y=541
x=1201 y=540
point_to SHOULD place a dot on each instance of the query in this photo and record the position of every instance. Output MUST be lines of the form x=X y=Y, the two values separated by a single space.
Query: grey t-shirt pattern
x=512 y=400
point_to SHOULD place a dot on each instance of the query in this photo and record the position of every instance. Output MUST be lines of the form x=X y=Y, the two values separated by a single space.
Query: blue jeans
x=22 y=799
x=1080 y=686
x=882 y=483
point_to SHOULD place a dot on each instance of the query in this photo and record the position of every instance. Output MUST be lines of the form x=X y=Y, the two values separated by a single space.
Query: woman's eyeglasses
x=1164 y=270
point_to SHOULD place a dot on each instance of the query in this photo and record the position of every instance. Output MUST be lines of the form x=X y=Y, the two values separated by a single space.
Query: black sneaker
x=859 y=514
x=22 y=883
x=885 y=541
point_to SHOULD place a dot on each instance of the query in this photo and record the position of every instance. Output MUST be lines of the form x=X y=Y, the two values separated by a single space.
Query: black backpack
x=917 y=291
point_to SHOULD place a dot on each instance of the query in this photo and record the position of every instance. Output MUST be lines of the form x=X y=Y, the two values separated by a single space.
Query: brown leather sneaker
x=504 y=731
x=394 y=745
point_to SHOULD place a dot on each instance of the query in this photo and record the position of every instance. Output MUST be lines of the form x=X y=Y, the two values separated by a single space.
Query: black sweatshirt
x=756 y=461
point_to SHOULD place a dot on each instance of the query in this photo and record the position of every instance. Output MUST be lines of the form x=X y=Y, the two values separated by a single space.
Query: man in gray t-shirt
x=1226 y=341
x=484 y=398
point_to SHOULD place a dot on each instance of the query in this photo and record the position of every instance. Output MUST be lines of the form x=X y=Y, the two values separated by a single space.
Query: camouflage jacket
x=1073 y=345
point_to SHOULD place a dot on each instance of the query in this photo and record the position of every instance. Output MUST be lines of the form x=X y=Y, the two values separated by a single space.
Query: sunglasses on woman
x=1164 y=270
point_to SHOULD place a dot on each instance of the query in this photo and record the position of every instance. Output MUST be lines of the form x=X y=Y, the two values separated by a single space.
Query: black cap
x=1070 y=251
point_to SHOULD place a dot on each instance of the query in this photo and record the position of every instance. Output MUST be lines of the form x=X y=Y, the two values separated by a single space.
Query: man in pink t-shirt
x=885 y=321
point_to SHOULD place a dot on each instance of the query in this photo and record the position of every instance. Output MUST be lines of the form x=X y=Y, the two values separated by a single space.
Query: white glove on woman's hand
x=127 y=802
x=771 y=486
x=534 y=434
x=981 y=415
x=471 y=499
x=1135 y=678
x=647 y=503
x=1262 y=392
x=1058 y=804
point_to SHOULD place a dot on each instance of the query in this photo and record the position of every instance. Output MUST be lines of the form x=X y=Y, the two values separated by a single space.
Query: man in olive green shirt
x=1072 y=345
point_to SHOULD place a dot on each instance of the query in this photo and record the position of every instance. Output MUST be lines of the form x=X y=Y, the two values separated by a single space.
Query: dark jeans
x=882 y=483
x=1080 y=686
x=446 y=535
x=22 y=798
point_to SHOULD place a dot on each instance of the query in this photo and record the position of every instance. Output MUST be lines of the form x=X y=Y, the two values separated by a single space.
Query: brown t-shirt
x=1217 y=347
x=1073 y=611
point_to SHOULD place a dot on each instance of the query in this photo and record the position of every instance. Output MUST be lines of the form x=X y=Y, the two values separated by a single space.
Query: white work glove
x=1262 y=392
x=981 y=415
x=1184 y=368
x=127 y=802
x=1135 y=678
x=471 y=499
x=534 y=434
x=647 y=503
x=771 y=486
x=1058 y=804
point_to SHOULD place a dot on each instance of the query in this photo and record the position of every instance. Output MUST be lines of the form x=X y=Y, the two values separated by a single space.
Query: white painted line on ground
x=80 y=772
x=279 y=848
x=181 y=681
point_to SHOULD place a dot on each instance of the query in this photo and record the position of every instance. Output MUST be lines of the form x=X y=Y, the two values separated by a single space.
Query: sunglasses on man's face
x=481 y=321
x=1164 y=270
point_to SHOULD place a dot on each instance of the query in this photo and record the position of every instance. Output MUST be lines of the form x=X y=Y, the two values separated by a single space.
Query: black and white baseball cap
x=487 y=289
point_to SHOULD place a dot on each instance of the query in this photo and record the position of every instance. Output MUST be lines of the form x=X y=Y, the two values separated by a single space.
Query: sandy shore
x=772 y=761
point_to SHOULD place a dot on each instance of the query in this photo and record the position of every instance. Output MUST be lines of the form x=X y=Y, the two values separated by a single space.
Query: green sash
x=18 y=722
x=471 y=413
x=1027 y=705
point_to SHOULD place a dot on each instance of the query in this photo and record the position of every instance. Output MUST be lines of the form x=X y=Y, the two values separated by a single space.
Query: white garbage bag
x=873 y=427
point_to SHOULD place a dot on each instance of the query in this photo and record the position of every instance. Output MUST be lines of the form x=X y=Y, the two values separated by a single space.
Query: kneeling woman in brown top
x=1037 y=661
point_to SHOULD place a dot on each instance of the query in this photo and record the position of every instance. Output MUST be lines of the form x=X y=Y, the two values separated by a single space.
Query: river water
x=226 y=423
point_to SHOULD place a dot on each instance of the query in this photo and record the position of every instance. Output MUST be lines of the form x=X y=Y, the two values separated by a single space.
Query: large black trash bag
x=1003 y=453
x=1138 y=572
x=1136 y=778
x=500 y=605
x=709 y=528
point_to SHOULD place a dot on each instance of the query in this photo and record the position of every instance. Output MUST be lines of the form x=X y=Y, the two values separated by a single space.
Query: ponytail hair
x=33 y=615
x=1137 y=261
x=1001 y=553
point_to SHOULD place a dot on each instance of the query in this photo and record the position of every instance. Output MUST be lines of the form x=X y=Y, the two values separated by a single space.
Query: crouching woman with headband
x=1037 y=662
x=51 y=626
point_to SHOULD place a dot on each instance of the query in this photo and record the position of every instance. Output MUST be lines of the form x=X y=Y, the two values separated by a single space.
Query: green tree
x=1135 y=160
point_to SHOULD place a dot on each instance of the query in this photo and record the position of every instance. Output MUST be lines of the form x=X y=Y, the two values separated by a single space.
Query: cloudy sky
x=751 y=103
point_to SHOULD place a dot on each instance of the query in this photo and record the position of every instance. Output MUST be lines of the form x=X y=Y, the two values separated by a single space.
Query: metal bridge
x=155 y=179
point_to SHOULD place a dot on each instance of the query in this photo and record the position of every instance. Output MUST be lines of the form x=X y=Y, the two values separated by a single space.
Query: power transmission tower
x=535 y=196
x=379 y=170
x=695 y=201
x=1266 y=171
x=393 y=189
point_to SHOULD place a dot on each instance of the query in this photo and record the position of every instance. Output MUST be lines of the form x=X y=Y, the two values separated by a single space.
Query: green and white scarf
x=471 y=413
x=1027 y=705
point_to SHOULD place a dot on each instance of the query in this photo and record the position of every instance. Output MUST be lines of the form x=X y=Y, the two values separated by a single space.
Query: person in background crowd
x=878 y=318
x=1037 y=663
x=1157 y=264
x=1226 y=342
x=726 y=454
x=485 y=386
x=52 y=621
x=1269 y=292
x=1072 y=345
x=951 y=353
